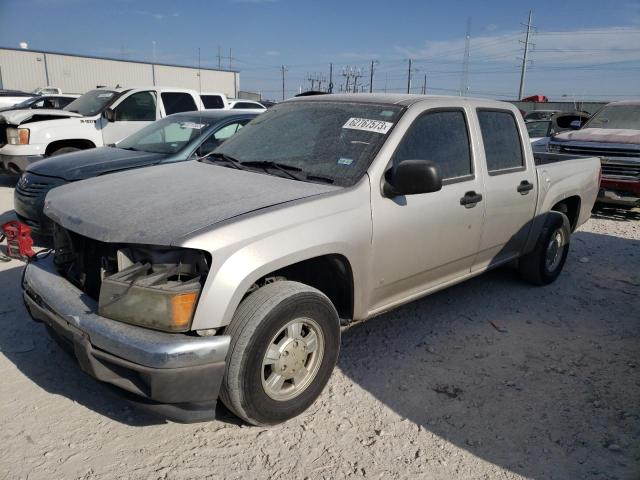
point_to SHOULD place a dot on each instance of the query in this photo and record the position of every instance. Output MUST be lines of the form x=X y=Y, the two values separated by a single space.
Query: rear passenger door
x=511 y=188
x=425 y=240
x=178 y=102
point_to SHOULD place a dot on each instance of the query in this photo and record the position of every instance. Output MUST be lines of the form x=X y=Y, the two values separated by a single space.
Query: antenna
x=464 y=80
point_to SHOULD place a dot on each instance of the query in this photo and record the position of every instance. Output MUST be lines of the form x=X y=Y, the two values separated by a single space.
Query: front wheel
x=285 y=339
x=543 y=265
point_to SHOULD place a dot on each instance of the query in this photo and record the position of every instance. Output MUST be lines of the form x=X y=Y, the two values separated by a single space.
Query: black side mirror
x=412 y=177
x=109 y=115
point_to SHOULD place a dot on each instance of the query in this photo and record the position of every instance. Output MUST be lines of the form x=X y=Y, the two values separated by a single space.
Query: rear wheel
x=543 y=265
x=64 y=150
x=285 y=339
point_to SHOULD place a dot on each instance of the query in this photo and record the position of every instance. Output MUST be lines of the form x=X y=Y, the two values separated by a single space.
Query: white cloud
x=587 y=46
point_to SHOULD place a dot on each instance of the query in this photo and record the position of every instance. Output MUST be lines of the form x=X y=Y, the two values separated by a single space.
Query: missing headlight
x=154 y=288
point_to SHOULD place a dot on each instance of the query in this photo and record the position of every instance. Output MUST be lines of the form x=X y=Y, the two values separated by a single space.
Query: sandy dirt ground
x=490 y=379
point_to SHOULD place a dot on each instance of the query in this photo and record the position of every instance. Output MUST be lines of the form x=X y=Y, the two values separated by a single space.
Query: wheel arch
x=81 y=143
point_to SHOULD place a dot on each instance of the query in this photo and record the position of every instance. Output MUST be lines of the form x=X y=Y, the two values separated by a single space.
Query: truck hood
x=601 y=135
x=18 y=117
x=162 y=204
x=93 y=162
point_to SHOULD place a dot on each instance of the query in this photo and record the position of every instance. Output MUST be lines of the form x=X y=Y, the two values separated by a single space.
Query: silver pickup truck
x=231 y=276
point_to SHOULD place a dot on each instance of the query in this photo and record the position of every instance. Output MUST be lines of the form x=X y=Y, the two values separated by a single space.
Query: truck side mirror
x=411 y=177
x=109 y=115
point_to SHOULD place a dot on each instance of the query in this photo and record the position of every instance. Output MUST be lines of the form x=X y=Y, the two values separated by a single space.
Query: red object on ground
x=536 y=99
x=19 y=241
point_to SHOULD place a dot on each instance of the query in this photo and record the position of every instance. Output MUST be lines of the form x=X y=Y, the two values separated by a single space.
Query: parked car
x=231 y=276
x=47 y=91
x=540 y=131
x=99 y=117
x=540 y=114
x=178 y=137
x=249 y=105
x=54 y=102
x=613 y=134
x=9 y=98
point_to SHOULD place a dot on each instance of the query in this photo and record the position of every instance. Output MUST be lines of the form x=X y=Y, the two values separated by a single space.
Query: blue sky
x=584 y=49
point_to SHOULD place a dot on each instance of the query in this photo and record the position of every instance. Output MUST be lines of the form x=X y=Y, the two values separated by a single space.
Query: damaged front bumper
x=182 y=372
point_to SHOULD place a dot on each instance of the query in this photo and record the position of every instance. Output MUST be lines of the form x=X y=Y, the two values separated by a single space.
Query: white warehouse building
x=22 y=69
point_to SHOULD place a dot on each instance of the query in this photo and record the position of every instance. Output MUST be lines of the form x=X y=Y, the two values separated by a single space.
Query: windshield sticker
x=192 y=125
x=345 y=161
x=368 y=125
x=105 y=95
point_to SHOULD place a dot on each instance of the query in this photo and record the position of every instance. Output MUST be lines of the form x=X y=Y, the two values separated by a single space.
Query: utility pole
x=230 y=59
x=424 y=85
x=330 y=78
x=219 y=58
x=283 y=69
x=523 y=72
x=356 y=75
x=464 y=80
x=373 y=62
x=409 y=78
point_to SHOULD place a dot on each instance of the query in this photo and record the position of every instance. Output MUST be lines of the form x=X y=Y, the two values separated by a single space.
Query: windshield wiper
x=282 y=167
x=126 y=148
x=320 y=178
x=217 y=156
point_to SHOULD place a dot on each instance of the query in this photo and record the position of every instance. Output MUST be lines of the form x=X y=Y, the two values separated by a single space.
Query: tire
x=536 y=267
x=256 y=326
x=64 y=150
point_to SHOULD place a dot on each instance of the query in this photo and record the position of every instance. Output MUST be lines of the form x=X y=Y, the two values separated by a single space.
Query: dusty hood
x=93 y=162
x=17 y=117
x=601 y=135
x=161 y=204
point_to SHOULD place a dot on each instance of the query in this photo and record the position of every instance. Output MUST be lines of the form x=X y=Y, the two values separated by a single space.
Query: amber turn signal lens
x=182 y=307
x=23 y=136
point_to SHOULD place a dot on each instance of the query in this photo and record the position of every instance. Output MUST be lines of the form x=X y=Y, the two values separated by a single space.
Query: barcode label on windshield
x=377 y=126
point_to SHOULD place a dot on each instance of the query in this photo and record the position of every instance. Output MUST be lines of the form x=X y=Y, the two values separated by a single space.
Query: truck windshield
x=168 y=135
x=327 y=141
x=92 y=102
x=616 y=116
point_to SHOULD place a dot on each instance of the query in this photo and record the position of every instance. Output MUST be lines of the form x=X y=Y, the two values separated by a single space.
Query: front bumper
x=17 y=163
x=166 y=368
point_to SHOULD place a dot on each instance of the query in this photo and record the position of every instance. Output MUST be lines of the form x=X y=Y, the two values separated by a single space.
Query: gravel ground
x=490 y=379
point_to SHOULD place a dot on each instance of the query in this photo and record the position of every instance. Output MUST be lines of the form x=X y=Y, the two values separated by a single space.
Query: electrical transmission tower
x=464 y=81
x=351 y=73
x=318 y=78
x=527 y=43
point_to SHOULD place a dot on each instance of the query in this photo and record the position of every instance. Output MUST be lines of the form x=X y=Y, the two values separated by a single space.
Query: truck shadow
x=609 y=212
x=28 y=346
x=537 y=380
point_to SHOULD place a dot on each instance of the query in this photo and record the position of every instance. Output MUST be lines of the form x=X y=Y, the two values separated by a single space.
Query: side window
x=212 y=101
x=501 y=139
x=64 y=101
x=214 y=141
x=39 y=104
x=176 y=102
x=139 y=107
x=443 y=138
x=245 y=105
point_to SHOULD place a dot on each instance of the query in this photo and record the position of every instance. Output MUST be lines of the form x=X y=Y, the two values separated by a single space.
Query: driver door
x=131 y=114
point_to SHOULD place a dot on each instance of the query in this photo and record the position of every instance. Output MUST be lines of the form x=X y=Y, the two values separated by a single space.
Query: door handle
x=524 y=187
x=470 y=199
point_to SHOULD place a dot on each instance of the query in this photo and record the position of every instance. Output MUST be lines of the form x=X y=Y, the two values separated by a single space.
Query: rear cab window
x=177 y=102
x=212 y=101
x=502 y=142
x=441 y=136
